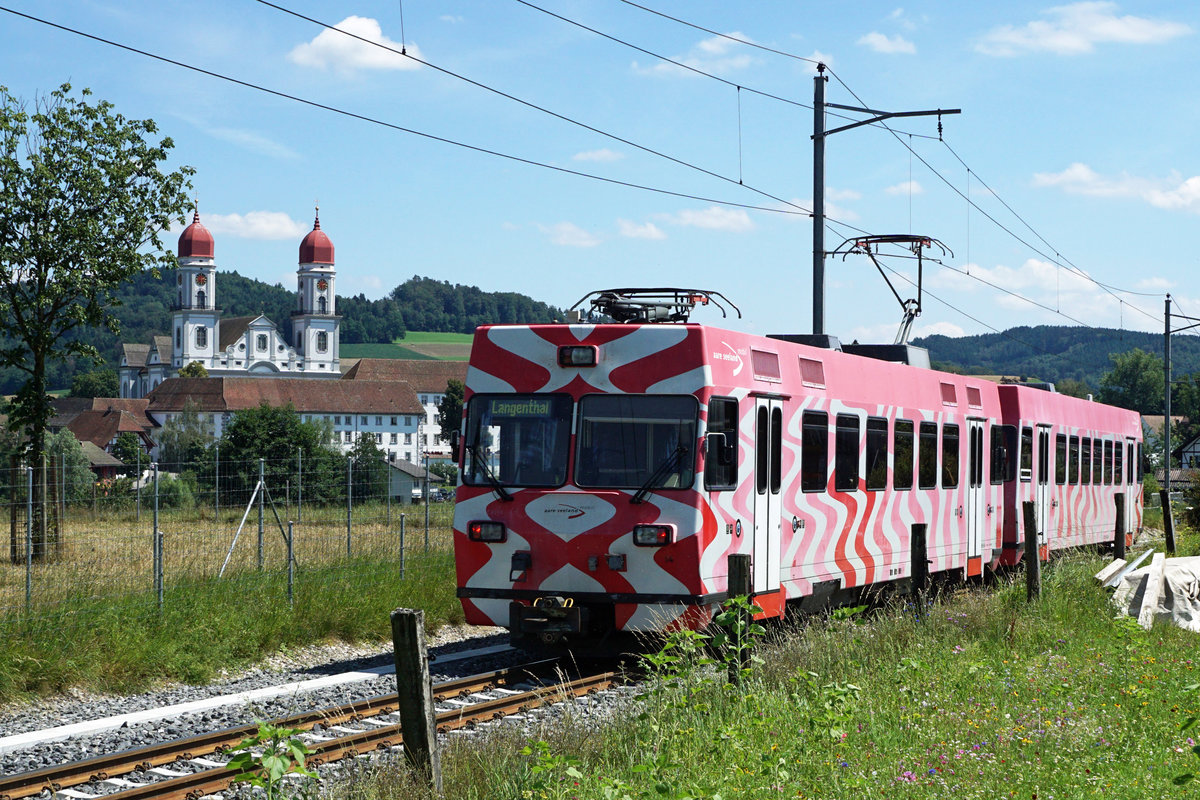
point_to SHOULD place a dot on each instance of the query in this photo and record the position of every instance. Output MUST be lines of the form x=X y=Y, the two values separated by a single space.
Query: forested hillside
x=1054 y=353
x=422 y=304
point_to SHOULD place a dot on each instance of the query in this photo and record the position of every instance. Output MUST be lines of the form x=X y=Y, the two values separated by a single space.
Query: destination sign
x=530 y=407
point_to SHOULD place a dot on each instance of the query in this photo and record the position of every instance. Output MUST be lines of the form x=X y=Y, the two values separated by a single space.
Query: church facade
x=240 y=346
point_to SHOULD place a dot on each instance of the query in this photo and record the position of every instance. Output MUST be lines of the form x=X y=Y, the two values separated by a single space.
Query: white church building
x=239 y=346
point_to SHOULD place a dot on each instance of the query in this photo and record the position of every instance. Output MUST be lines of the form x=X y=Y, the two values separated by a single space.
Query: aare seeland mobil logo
x=732 y=355
x=570 y=513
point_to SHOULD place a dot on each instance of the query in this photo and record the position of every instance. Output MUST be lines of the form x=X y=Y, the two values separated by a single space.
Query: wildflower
x=907 y=776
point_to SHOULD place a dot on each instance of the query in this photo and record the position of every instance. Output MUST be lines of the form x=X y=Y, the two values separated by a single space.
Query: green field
x=416 y=345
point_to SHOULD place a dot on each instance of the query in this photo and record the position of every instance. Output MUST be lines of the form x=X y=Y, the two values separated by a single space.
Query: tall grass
x=208 y=624
x=983 y=696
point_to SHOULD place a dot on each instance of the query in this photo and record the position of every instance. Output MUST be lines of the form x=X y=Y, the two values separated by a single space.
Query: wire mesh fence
x=75 y=543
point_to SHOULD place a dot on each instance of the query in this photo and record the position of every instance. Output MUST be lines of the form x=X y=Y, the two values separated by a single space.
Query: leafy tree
x=449 y=414
x=370 y=476
x=1135 y=382
x=183 y=441
x=82 y=203
x=1072 y=387
x=446 y=472
x=277 y=434
x=193 y=369
x=97 y=383
x=128 y=448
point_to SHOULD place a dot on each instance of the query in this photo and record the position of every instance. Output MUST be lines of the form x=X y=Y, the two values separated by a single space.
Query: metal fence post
x=262 y=490
x=401 y=546
x=299 y=484
x=349 y=500
x=216 y=481
x=29 y=539
x=158 y=571
x=291 y=565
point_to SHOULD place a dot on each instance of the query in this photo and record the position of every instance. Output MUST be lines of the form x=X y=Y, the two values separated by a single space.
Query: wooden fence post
x=919 y=545
x=741 y=584
x=414 y=685
x=1033 y=559
x=1168 y=520
x=1119 y=533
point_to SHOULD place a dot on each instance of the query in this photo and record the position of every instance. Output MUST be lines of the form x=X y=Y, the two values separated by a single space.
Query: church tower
x=195 y=315
x=315 y=322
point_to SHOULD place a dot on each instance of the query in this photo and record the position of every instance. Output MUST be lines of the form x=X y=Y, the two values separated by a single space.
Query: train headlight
x=578 y=355
x=653 y=535
x=481 y=531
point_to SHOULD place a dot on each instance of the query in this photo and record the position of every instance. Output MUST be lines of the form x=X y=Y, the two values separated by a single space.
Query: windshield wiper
x=668 y=464
x=492 y=480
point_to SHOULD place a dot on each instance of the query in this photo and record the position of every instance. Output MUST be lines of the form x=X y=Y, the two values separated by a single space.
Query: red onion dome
x=316 y=247
x=196 y=241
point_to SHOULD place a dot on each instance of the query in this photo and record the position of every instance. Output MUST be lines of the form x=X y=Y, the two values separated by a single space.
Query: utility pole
x=819 y=134
x=1167 y=385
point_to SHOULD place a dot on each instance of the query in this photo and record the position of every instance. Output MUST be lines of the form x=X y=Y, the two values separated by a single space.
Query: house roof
x=68 y=408
x=412 y=470
x=98 y=457
x=305 y=395
x=102 y=427
x=232 y=330
x=162 y=344
x=135 y=355
x=422 y=375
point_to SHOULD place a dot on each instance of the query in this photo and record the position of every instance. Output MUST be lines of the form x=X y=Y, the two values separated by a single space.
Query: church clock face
x=201 y=280
x=322 y=284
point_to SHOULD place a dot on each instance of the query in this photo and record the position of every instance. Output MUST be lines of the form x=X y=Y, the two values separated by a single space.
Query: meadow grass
x=983 y=696
x=94 y=621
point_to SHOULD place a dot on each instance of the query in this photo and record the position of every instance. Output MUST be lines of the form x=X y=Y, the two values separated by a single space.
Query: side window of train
x=1026 y=455
x=845 y=464
x=1073 y=460
x=776 y=450
x=1004 y=453
x=902 y=471
x=721 y=446
x=1108 y=460
x=1085 y=465
x=1118 y=464
x=1060 y=459
x=1141 y=463
x=950 y=459
x=927 y=456
x=814 y=451
x=877 y=447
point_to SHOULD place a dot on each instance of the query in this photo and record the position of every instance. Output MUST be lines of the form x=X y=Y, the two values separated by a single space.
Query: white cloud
x=717 y=55
x=731 y=220
x=937 y=329
x=1174 y=193
x=634 y=231
x=254 y=142
x=906 y=187
x=603 y=154
x=370 y=281
x=1077 y=28
x=255 y=225
x=810 y=67
x=881 y=43
x=345 y=54
x=568 y=234
x=453 y=19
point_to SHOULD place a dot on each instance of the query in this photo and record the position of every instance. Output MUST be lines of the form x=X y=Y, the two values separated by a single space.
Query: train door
x=975 y=499
x=768 y=454
x=1041 y=492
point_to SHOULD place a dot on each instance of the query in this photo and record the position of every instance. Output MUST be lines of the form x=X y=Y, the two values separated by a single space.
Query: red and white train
x=608 y=471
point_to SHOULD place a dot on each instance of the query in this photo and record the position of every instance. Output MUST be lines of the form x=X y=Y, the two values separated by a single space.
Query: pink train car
x=609 y=470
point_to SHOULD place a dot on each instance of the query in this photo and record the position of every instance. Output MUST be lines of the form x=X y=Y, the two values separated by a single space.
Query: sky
x=557 y=147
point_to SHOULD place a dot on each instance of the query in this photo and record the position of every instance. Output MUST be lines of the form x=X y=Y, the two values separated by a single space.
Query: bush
x=177 y=492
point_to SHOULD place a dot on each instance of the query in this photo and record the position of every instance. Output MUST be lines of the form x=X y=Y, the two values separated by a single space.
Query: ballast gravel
x=293 y=666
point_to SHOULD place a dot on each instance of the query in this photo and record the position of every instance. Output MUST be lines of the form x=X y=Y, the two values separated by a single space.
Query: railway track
x=186 y=769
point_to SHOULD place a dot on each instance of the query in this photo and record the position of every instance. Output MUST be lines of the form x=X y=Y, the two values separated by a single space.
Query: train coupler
x=548 y=619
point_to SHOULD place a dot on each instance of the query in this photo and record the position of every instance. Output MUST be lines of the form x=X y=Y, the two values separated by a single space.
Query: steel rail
x=99 y=768
x=216 y=779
